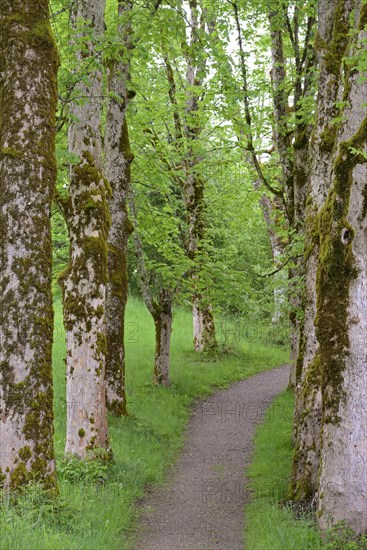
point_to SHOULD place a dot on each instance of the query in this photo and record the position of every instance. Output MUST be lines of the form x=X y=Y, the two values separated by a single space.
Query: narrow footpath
x=202 y=505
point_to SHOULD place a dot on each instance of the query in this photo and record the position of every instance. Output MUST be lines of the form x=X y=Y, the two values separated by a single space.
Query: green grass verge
x=97 y=505
x=270 y=524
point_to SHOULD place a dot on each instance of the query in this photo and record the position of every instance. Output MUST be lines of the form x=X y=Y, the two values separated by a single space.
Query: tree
x=159 y=299
x=293 y=154
x=118 y=158
x=287 y=180
x=194 y=183
x=85 y=208
x=28 y=99
x=331 y=417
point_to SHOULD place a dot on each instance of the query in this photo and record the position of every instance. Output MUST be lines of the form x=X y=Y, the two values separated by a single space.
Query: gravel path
x=202 y=505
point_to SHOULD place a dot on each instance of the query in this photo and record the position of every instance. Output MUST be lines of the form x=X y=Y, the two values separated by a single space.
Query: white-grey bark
x=85 y=279
x=342 y=328
x=331 y=412
x=28 y=99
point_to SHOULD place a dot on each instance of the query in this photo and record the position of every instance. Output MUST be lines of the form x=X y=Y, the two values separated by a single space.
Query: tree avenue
x=206 y=160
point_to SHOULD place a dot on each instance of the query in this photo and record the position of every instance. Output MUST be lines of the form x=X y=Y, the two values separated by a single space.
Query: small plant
x=342 y=537
x=91 y=470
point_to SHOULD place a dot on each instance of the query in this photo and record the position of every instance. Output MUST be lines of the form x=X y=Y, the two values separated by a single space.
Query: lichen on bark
x=28 y=99
x=84 y=281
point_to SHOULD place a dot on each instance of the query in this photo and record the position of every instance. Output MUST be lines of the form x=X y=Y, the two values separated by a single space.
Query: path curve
x=202 y=505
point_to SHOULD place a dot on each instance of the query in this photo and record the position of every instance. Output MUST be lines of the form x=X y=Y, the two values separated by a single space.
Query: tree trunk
x=28 y=100
x=160 y=310
x=270 y=210
x=308 y=408
x=293 y=157
x=118 y=158
x=301 y=174
x=341 y=324
x=163 y=328
x=203 y=325
x=331 y=418
x=85 y=279
x=194 y=186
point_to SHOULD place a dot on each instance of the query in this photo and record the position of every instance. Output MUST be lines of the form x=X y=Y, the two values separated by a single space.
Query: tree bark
x=331 y=415
x=341 y=323
x=293 y=157
x=308 y=408
x=28 y=100
x=163 y=328
x=85 y=279
x=118 y=158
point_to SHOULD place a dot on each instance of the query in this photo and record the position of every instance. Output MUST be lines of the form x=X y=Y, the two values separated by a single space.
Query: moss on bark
x=28 y=99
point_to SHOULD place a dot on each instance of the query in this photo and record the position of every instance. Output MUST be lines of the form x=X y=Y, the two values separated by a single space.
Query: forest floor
x=201 y=506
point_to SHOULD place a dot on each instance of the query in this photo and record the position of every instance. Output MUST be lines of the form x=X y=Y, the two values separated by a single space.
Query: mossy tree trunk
x=28 y=99
x=187 y=131
x=203 y=325
x=308 y=409
x=293 y=154
x=331 y=415
x=341 y=323
x=117 y=168
x=85 y=279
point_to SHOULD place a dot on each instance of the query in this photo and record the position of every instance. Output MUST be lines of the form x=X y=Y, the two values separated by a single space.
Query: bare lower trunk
x=118 y=158
x=203 y=327
x=28 y=98
x=85 y=279
x=163 y=329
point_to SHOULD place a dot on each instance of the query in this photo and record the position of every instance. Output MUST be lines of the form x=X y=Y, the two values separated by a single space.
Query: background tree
x=28 y=99
x=118 y=158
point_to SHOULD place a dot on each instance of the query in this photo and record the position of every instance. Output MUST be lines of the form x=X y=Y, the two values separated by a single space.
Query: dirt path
x=201 y=508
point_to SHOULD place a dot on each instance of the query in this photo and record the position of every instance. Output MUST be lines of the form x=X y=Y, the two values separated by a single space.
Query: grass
x=97 y=508
x=270 y=523
x=269 y=526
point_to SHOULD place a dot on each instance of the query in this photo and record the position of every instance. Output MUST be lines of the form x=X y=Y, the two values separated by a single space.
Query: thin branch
x=282 y=266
